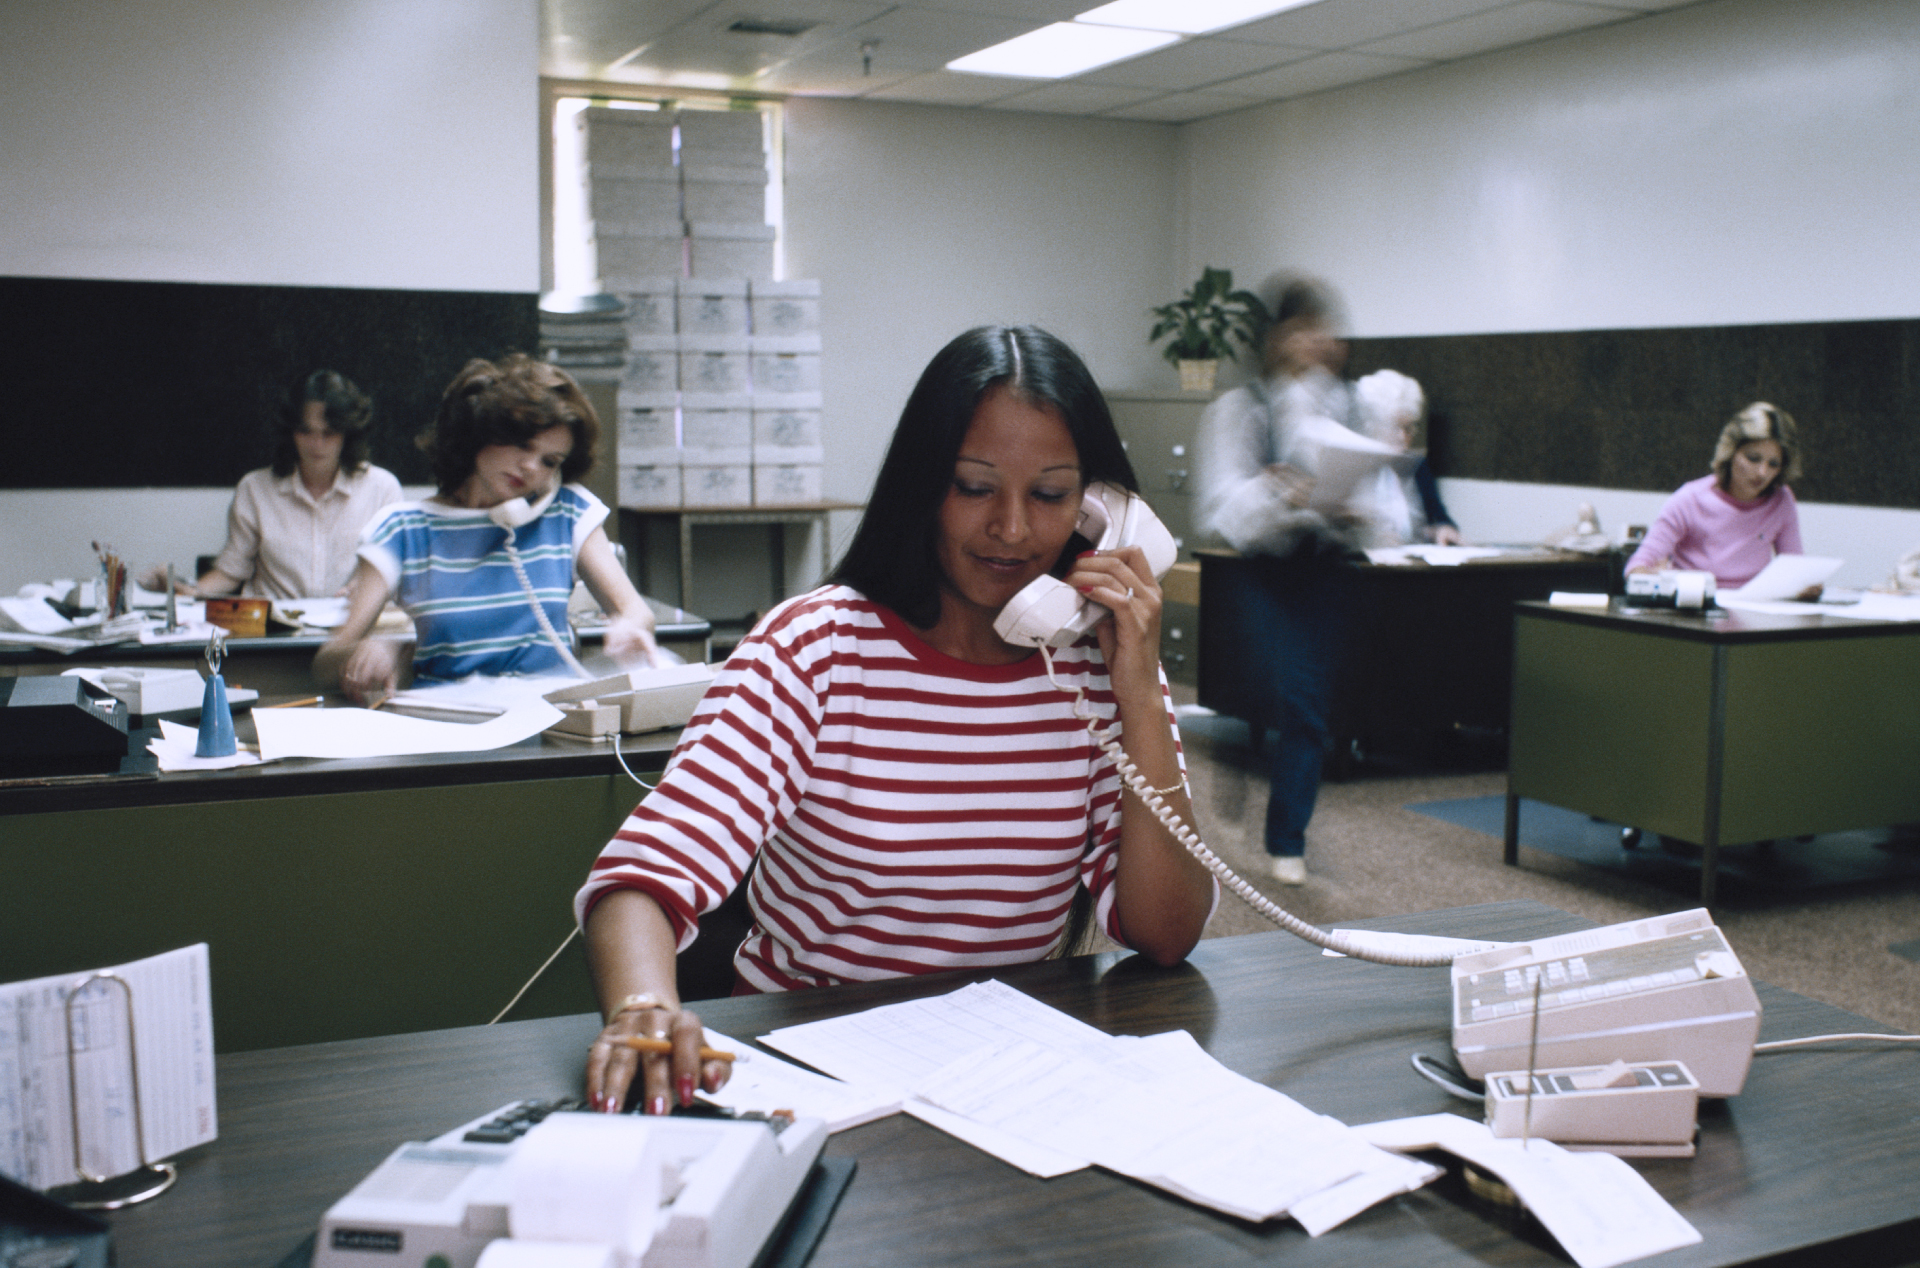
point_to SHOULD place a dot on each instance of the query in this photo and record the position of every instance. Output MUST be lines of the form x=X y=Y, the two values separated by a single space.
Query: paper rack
x=150 y=1179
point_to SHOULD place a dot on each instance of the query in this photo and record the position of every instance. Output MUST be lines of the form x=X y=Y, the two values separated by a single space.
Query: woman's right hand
x=666 y=1079
x=372 y=671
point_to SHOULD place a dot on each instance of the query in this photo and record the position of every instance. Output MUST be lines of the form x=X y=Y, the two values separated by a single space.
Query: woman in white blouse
x=293 y=526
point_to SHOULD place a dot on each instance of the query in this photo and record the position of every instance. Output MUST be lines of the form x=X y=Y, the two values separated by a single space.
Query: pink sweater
x=1702 y=527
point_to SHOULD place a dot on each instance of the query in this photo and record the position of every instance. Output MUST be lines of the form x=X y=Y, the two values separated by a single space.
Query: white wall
x=1731 y=162
x=1728 y=163
x=923 y=221
x=372 y=143
x=357 y=143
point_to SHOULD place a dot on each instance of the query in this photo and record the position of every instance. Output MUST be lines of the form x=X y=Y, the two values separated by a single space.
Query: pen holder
x=216 y=722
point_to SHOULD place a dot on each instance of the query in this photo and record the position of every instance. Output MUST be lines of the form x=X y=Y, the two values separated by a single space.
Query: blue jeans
x=1292 y=623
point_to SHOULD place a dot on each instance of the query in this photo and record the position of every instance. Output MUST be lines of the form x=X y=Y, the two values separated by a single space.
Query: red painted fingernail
x=1086 y=553
x=1084 y=589
x=685 y=1084
x=658 y=1105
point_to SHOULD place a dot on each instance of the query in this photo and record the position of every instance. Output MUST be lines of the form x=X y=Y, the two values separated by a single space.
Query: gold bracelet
x=633 y=1003
x=1170 y=789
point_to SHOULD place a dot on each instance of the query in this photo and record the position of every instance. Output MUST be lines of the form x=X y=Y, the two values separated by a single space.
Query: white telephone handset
x=1052 y=613
x=516 y=513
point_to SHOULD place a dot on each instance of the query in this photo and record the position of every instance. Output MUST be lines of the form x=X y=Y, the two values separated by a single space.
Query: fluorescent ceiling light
x=1065 y=48
x=1189 y=17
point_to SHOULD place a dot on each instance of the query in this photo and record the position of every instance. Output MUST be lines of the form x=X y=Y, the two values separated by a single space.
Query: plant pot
x=1197 y=376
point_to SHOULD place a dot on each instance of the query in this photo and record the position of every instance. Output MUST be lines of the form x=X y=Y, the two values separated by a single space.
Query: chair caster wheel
x=1629 y=838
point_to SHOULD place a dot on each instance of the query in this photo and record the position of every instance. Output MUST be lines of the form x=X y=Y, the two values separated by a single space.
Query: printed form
x=173 y=1019
x=1026 y=1082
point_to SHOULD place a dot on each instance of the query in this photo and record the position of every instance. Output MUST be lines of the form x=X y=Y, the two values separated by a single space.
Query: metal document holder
x=104 y=1193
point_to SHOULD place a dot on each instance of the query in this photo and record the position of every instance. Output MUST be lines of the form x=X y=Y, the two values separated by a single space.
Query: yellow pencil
x=640 y=1043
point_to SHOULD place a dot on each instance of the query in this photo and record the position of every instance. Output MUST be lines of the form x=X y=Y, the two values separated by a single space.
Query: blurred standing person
x=1256 y=461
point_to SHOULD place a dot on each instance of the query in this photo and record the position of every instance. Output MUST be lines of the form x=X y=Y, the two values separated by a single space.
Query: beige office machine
x=644 y=700
x=1664 y=989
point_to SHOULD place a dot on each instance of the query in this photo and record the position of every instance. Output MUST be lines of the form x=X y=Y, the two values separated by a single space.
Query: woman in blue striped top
x=506 y=446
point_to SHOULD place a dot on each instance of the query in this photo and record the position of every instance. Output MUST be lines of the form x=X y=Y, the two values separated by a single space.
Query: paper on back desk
x=1785 y=576
x=372 y=733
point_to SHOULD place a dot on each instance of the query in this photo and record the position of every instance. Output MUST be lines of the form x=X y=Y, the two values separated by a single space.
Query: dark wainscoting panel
x=128 y=384
x=1640 y=409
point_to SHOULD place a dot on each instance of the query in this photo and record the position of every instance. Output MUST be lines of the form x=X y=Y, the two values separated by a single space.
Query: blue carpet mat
x=1836 y=858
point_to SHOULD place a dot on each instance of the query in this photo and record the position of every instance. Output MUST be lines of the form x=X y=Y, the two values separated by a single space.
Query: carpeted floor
x=1369 y=854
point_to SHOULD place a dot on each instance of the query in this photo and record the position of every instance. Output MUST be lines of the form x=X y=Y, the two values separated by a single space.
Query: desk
x=282 y=663
x=1715 y=730
x=338 y=898
x=1802 y=1159
x=1430 y=649
x=689 y=517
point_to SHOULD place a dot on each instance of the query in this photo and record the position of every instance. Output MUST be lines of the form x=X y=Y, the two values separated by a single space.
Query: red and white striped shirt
x=911 y=812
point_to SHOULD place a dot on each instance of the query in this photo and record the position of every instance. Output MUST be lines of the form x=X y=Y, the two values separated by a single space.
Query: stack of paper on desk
x=1052 y=1094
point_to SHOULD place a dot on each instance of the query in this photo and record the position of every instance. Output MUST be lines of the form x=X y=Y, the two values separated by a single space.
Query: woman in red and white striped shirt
x=917 y=794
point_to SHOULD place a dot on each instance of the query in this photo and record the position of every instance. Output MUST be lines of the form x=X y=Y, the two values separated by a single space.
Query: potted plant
x=1202 y=325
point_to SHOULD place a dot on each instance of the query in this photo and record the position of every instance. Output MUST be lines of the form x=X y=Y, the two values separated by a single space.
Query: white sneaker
x=1289 y=869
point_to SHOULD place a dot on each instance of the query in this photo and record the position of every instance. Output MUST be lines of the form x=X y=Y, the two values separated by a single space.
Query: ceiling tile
x=950 y=88
x=1334 y=24
x=1035 y=12
x=702 y=44
x=1499 y=28
x=1327 y=70
x=1073 y=97
x=578 y=38
x=1180 y=107
x=1193 y=64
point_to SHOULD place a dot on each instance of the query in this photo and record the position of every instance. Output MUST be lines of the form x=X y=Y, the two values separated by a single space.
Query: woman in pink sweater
x=1732 y=522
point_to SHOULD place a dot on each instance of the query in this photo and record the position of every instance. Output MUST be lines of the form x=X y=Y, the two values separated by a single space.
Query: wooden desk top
x=1818 y=1151
x=1721 y=625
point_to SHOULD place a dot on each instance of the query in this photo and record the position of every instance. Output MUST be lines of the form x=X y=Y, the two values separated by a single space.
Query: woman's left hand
x=1122 y=581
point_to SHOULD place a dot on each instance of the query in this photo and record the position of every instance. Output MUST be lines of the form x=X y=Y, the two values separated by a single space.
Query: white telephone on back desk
x=1052 y=613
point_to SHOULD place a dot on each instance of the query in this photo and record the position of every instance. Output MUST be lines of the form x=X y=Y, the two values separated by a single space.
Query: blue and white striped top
x=449 y=568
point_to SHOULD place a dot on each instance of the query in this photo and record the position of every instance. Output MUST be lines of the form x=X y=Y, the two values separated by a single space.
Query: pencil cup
x=216 y=722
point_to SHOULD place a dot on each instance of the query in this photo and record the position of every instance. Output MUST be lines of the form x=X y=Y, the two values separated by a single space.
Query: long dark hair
x=892 y=559
x=349 y=411
x=507 y=404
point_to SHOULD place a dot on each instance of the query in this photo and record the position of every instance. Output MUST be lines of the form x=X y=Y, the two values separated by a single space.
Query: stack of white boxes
x=723 y=169
x=720 y=395
x=787 y=454
x=716 y=418
x=633 y=195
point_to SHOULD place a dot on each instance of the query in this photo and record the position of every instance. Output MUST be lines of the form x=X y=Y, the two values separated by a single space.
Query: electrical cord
x=1170 y=819
x=1782 y=1045
x=1432 y=1071
x=564 y=943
